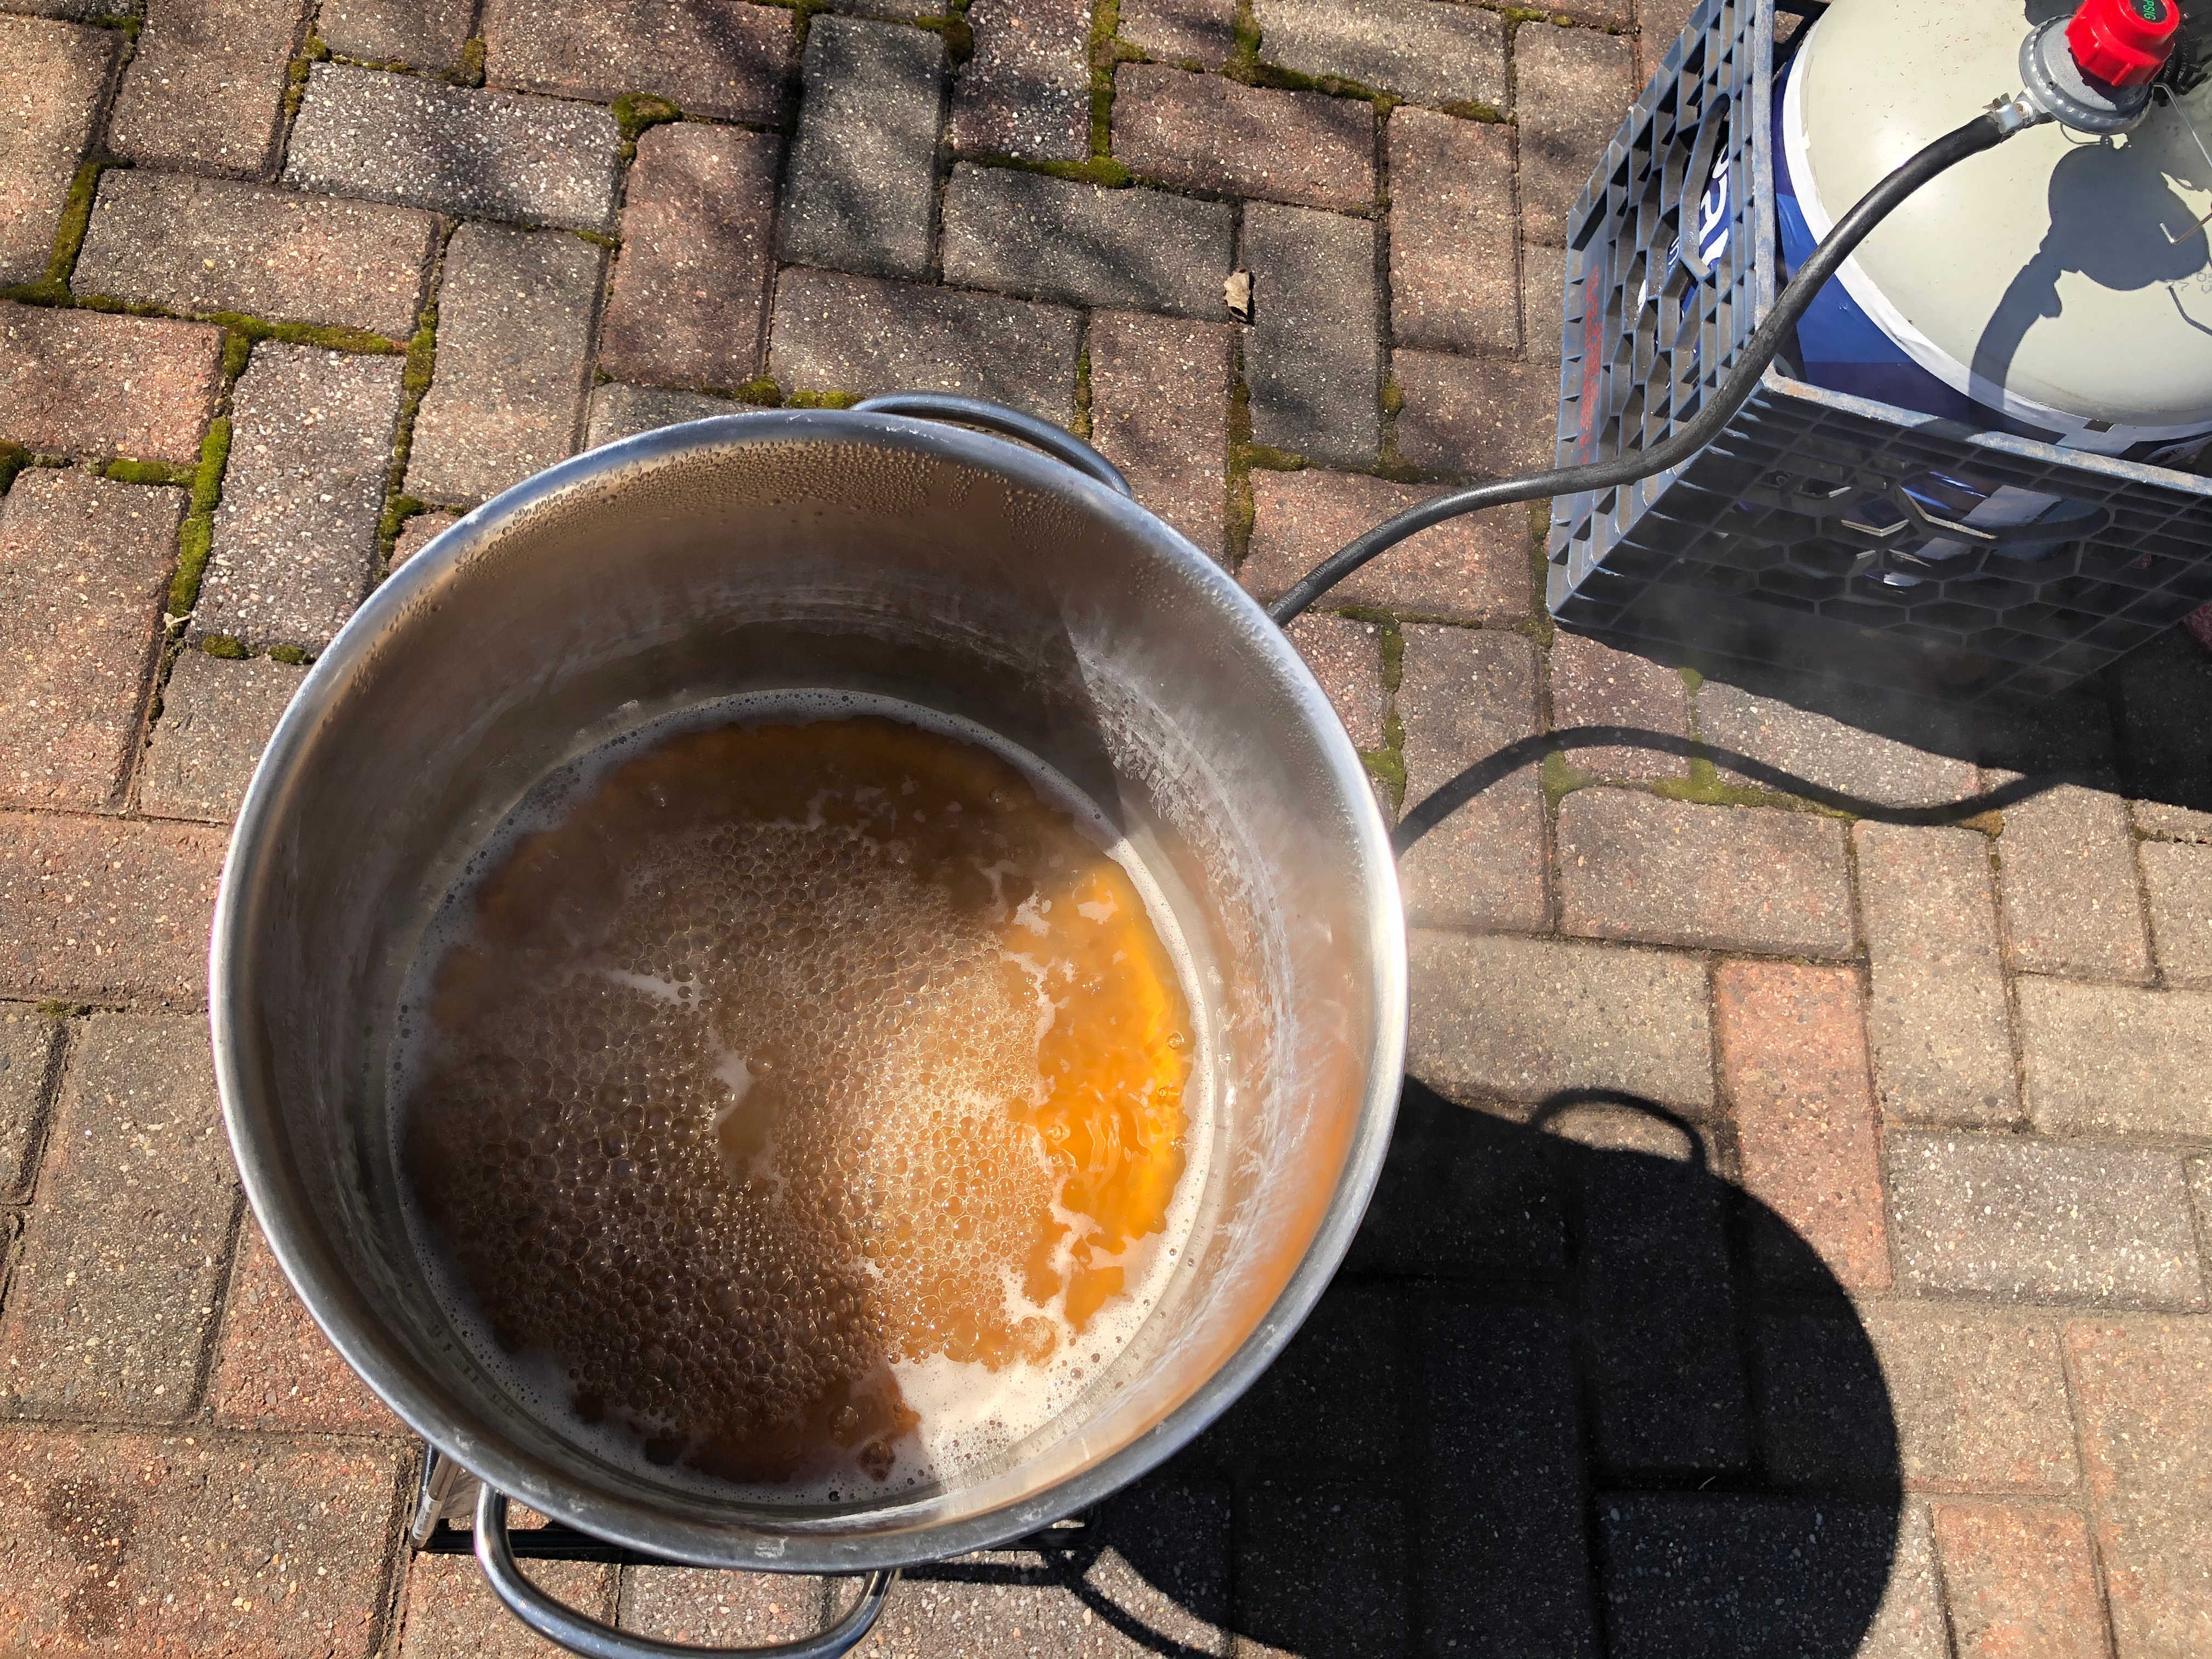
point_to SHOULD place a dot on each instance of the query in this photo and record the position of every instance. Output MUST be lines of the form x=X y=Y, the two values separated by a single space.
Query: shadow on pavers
x=1574 y=1393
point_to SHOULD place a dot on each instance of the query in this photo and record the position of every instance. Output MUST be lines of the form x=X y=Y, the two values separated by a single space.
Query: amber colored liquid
x=792 y=1052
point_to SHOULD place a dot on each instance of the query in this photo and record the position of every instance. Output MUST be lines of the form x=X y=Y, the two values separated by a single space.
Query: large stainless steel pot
x=867 y=551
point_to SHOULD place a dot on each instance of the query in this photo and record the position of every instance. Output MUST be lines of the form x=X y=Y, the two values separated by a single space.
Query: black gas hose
x=1984 y=132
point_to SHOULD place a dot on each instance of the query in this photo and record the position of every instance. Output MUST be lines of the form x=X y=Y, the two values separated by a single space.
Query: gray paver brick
x=87 y=383
x=1346 y=658
x=1340 y=1385
x=1635 y=866
x=84 y=567
x=1479 y=417
x=515 y=318
x=1979 y=1400
x=216 y=720
x=1940 y=1033
x=2146 y=1405
x=860 y=192
x=450 y=1612
x=467 y=153
x=1209 y=132
x=1431 y=53
x=1026 y=91
x=1203 y=32
x=728 y=62
x=1526 y=1018
x=1543 y=300
x=1817 y=749
x=1570 y=88
x=623 y=411
x=126 y=1251
x=2115 y=1059
x=1311 y=359
x=1463 y=696
x=1465 y=1194
x=2177 y=879
x=703 y=1606
x=1473 y=568
x=205 y=88
x=1358 y=1610
x=1453 y=284
x=1049 y=238
x=426 y=35
x=417 y=532
x=2066 y=871
x=1159 y=411
x=97 y=910
x=56 y=76
x=295 y=533
x=689 y=304
x=2040 y=1221
x=212 y=244
x=838 y=333
x=1594 y=685
x=28 y=1040
x=2158 y=817
x=2012 y=1568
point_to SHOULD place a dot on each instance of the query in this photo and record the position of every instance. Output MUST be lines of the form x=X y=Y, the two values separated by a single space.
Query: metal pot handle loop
x=1009 y=422
x=580 y=1634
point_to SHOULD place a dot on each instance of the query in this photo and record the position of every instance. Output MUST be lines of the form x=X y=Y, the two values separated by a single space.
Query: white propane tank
x=2060 y=288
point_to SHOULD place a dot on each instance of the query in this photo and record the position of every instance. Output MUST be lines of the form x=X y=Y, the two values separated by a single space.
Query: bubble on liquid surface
x=798 y=1094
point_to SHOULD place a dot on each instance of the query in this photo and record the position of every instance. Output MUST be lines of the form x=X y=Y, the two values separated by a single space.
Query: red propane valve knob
x=2123 y=42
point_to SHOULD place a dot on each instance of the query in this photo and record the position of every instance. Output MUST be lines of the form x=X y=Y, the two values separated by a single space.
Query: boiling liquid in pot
x=807 y=1103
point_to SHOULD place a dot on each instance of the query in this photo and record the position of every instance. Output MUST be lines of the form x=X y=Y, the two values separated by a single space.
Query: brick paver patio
x=1795 y=1239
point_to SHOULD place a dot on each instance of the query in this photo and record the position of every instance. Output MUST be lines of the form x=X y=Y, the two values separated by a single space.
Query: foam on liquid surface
x=801 y=1104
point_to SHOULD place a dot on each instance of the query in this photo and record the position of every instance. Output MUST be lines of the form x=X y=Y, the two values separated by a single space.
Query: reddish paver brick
x=837 y=333
x=1453 y=282
x=1473 y=568
x=418 y=533
x=1026 y=91
x=104 y=910
x=1940 y=1032
x=185 y=1547
x=2145 y=1394
x=2019 y=1220
x=690 y=299
x=1571 y=88
x=84 y=565
x=706 y=1607
x=217 y=717
x=726 y=61
x=1816 y=749
x=423 y=34
x=1793 y=1060
x=1658 y=25
x=89 y=383
x=56 y=75
x=2019 y=1581
x=1346 y=658
x=206 y=89
x=1525 y=1017
x=274 y=1368
x=1594 y=685
x=451 y=1612
x=213 y=245
x=30 y=1039
x=1481 y=417
x=861 y=193
x=124 y=1255
x=2115 y=1059
x=1159 y=411
x=514 y=320
x=1312 y=359
x=1186 y=32
x=1431 y=53
x=1212 y=133
x=1463 y=696
x=1635 y=866
x=2066 y=873
x=2177 y=880
x=1543 y=301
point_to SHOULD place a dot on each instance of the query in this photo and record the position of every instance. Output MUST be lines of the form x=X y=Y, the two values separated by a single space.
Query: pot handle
x=567 y=1628
x=1009 y=422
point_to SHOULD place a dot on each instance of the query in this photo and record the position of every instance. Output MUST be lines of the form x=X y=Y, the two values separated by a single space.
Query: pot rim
x=812 y=1544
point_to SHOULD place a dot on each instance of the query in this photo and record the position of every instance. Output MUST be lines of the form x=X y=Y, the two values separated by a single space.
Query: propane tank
x=2059 y=289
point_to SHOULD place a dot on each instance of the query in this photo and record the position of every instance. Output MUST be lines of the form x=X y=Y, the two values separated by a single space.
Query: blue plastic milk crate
x=1782 y=541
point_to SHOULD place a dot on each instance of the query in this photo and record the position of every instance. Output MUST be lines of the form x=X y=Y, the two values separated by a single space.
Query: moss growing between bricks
x=762 y=390
x=287 y=653
x=823 y=400
x=196 y=537
x=414 y=382
x=633 y=111
x=959 y=38
x=223 y=646
x=150 y=472
x=470 y=71
x=14 y=458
